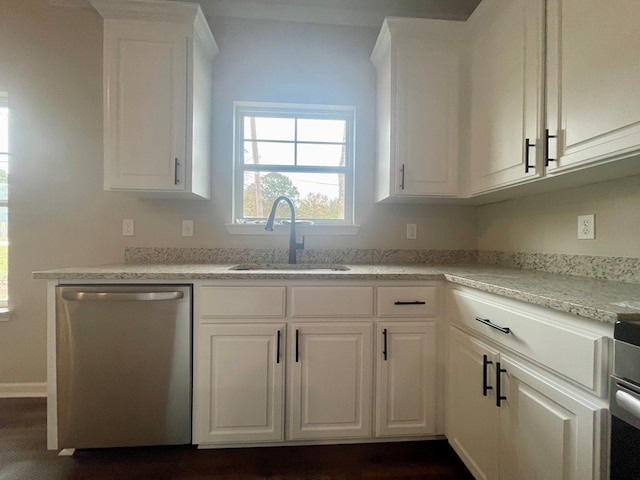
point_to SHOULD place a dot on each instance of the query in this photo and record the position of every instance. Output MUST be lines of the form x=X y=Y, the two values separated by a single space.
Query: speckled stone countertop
x=602 y=300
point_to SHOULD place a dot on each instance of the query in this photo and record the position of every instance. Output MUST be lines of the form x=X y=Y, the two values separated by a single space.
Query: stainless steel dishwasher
x=123 y=365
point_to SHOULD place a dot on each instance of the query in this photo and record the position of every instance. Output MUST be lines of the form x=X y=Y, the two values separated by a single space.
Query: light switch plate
x=187 y=228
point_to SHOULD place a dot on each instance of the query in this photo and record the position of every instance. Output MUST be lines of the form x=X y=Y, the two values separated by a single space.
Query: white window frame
x=244 y=109
x=4 y=304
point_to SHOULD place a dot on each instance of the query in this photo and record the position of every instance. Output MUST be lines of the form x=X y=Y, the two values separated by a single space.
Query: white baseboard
x=21 y=390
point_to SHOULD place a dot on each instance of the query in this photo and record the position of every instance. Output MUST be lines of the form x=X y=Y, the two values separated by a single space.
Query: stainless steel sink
x=290 y=266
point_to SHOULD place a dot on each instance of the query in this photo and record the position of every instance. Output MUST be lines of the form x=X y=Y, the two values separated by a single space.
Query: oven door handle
x=628 y=403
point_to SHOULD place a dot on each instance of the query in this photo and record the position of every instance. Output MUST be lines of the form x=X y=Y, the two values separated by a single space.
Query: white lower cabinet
x=507 y=420
x=331 y=378
x=549 y=433
x=406 y=380
x=472 y=416
x=239 y=385
x=295 y=363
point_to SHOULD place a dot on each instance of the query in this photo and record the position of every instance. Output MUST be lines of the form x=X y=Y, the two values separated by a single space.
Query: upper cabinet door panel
x=427 y=99
x=146 y=107
x=157 y=98
x=593 y=79
x=418 y=69
x=505 y=52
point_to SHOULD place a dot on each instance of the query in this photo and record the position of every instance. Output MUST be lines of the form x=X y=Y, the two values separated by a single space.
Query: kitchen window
x=302 y=151
x=4 y=197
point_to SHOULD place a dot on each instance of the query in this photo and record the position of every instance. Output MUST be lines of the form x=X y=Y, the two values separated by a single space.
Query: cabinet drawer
x=542 y=337
x=407 y=301
x=332 y=301
x=241 y=301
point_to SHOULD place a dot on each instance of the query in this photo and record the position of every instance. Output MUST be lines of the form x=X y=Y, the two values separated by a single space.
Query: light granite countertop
x=601 y=300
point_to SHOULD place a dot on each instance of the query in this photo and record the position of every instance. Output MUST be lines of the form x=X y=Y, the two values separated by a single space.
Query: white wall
x=51 y=66
x=547 y=223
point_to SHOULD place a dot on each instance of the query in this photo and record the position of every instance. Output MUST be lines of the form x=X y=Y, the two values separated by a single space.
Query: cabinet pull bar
x=488 y=322
x=402 y=177
x=485 y=387
x=297 y=345
x=417 y=302
x=278 y=347
x=176 y=164
x=527 y=146
x=546 y=148
x=499 y=396
x=384 y=344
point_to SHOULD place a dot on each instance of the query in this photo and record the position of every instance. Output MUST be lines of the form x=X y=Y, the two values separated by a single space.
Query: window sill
x=5 y=314
x=244 y=229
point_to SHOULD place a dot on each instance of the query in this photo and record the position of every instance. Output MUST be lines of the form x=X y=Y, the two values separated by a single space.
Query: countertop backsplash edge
x=623 y=269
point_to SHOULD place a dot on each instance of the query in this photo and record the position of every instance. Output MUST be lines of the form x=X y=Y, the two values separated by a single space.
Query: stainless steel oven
x=624 y=396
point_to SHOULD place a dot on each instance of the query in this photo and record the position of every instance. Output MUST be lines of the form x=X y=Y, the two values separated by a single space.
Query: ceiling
x=364 y=13
x=369 y=13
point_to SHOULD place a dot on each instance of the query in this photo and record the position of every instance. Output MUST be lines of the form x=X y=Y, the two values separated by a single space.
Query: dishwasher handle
x=122 y=296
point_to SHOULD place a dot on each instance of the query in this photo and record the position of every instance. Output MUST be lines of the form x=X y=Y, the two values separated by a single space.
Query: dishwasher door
x=123 y=365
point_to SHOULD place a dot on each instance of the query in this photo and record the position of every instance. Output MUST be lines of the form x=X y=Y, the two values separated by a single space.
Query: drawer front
x=252 y=302
x=571 y=352
x=408 y=301
x=332 y=301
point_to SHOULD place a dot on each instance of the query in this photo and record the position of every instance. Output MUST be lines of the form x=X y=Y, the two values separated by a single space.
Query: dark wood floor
x=23 y=455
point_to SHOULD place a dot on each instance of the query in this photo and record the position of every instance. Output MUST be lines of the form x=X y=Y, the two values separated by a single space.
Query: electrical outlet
x=586 y=227
x=187 y=228
x=412 y=231
x=127 y=227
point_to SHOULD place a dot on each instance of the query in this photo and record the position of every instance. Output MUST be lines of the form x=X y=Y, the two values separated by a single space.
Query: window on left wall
x=4 y=200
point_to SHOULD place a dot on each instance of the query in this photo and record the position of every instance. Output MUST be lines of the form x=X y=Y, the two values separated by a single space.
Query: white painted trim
x=157 y=10
x=71 y=3
x=309 y=230
x=22 y=390
x=52 y=379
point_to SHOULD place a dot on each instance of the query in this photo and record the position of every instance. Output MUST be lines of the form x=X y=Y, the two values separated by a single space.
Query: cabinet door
x=406 y=378
x=546 y=432
x=593 y=81
x=472 y=417
x=418 y=70
x=426 y=117
x=505 y=48
x=145 y=105
x=331 y=374
x=239 y=383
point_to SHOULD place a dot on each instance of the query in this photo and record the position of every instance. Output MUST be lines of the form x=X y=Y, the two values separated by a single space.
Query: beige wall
x=547 y=223
x=51 y=66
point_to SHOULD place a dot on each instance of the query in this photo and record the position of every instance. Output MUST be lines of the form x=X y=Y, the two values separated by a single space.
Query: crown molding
x=358 y=13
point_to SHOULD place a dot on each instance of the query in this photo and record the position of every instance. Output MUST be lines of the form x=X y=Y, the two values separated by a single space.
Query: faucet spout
x=293 y=244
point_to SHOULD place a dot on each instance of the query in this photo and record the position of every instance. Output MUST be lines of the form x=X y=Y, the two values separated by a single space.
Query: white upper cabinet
x=157 y=97
x=418 y=63
x=505 y=61
x=552 y=88
x=593 y=81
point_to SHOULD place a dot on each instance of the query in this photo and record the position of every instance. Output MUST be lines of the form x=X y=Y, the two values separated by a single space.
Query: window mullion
x=295 y=139
x=293 y=169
